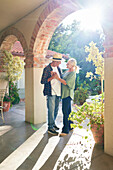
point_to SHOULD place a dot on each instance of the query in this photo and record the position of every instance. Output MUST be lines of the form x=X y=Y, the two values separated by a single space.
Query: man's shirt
x=55 y=84
x=44 y=80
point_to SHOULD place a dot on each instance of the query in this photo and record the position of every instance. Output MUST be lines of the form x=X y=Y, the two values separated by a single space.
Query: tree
x=71 y=40
x=98 y=61
x=13 y=65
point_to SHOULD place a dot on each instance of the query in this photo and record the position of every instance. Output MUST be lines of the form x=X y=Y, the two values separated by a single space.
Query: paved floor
x=27 y=147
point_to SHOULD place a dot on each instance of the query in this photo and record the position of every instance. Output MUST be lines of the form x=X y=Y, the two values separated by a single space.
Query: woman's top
x=68 y=90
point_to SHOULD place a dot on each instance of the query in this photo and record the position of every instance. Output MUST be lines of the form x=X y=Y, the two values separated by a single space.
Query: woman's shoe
x=71 y=130
x=63 y=134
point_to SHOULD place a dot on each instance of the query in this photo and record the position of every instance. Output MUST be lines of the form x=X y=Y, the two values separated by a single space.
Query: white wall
x=21 y=85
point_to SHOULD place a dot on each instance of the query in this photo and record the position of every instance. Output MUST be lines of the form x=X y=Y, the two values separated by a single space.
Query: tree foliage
x=98 y=61
x=14 y=66
x=71 y=40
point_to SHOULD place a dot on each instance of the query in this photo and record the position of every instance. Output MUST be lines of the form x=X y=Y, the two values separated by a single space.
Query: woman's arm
x=61 y=80
x=70 y=80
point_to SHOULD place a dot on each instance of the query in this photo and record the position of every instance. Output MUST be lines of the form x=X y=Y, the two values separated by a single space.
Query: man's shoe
x=53 y=132
x=56 y=128
x=63 y=134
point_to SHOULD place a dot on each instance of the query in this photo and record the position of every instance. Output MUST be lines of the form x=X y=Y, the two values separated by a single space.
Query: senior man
x=52 y=89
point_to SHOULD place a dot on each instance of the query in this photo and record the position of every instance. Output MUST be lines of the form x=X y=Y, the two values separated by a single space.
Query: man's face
x=56 y=63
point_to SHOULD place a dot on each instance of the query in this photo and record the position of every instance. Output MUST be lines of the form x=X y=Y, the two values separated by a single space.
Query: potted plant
x=94 y=111
x=7 y=102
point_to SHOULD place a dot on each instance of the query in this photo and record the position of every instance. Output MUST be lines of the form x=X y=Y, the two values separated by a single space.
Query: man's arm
x=45 y=78
x=51 y=78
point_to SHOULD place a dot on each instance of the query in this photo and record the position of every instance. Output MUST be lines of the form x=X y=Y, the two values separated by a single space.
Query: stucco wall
x=108 y=144
x=27 y=24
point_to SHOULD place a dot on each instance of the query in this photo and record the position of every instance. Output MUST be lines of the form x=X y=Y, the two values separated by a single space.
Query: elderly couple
x=57 y=85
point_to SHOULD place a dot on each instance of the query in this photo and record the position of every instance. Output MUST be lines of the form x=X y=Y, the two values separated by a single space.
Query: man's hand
x=56 y=76
x=53 y=76
x=53 y=73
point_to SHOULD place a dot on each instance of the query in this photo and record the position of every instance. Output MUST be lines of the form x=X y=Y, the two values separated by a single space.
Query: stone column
x=108 y=125
x=35 y=102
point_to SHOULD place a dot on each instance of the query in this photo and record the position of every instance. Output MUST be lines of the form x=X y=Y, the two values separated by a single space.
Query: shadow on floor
x=52 y=152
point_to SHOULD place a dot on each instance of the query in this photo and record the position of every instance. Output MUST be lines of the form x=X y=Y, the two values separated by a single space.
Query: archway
x=8 y=38
x=53 y=14
x=7 y=41
x=46 y=24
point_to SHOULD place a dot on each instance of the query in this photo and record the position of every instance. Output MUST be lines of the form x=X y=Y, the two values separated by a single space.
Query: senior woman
x=68 y=86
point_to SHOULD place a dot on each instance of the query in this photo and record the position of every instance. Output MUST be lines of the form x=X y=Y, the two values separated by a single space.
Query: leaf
x=80 y=126
x=86 y=137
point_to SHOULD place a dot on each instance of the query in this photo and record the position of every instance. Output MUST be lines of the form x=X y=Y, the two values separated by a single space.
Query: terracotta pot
x=6 y=106
x=98 y=134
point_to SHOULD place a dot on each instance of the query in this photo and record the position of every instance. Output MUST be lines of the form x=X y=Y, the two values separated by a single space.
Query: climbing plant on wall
x=13 y=66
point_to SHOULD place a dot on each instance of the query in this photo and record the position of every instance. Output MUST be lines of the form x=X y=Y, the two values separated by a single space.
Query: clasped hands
x=54 y=75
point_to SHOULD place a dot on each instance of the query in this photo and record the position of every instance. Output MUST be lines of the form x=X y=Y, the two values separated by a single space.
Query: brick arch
x=9 y=37
x=48 y=21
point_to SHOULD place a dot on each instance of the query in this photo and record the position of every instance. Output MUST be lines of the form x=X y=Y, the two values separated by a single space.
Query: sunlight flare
x=89 y=19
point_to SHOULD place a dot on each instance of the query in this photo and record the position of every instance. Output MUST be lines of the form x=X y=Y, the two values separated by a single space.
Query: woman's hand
x=54 y=75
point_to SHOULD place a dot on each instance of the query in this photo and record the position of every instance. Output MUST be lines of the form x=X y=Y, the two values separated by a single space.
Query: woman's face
x=69 y=65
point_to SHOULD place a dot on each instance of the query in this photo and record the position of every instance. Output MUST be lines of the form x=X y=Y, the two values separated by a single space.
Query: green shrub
x=95 y=87
x=81 y=94
x=13 y=91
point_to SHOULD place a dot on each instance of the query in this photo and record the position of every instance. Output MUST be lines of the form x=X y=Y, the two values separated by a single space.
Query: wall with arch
x=34 y=32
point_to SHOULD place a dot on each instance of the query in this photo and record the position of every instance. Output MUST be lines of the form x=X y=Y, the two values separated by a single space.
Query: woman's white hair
x=73 y=63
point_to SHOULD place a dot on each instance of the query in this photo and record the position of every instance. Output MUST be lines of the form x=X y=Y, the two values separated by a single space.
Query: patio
x=26 y=147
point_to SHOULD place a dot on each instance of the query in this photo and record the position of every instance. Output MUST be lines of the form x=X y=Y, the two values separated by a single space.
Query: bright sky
x=90 y=19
